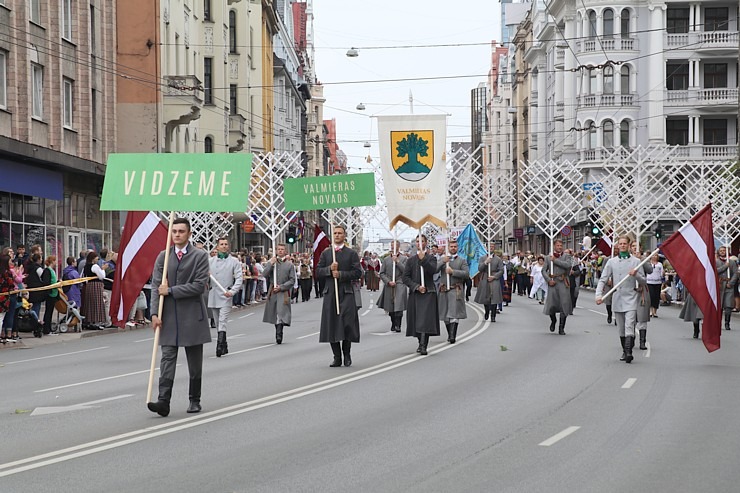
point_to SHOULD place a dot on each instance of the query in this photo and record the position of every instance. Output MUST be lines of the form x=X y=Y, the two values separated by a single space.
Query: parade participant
x=625 y=299
x=574 y=278
x=691 y=313
x=555 y=272
x=184 y=321
x=645 y=298
x=339 y=330
x=421 y=315
x=277 y=309
x=304 y=279
x=451 y=298
x=654 y=283
x=227 y=271
x=506 y=281
x=490 y=270
x=539 y=286
x=394 y=295
x=728 y=276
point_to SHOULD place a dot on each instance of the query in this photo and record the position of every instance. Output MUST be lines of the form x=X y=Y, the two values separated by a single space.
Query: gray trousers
x=168 y=363
x=220 y=315
x=626 y=322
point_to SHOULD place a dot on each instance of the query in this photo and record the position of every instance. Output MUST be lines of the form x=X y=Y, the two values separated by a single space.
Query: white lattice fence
x=207 y=227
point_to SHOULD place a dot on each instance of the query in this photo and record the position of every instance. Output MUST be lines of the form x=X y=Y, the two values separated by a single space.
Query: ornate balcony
x=718 y=96
x=182 y=96
x=703 y=40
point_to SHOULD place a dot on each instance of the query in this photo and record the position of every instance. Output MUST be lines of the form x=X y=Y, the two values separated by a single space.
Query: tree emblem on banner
x=418 y=149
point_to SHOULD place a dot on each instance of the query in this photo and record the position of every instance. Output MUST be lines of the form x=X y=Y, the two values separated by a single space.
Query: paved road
x=510 y=407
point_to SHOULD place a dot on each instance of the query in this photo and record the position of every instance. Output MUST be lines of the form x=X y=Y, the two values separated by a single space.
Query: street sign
x=531 y=230
x=512 y=240
x=329 y=192
x=566 y=231
x=518 y=232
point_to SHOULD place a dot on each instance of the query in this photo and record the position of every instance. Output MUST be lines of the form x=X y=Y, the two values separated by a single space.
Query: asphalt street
x=510 y=408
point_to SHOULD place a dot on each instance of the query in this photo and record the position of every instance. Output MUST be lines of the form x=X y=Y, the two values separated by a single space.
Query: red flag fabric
x=604 y=245
x=320 y=243
x=690 y=250
x=143 y=237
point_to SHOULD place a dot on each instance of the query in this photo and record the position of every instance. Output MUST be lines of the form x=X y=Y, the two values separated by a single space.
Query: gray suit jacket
x=626 y=298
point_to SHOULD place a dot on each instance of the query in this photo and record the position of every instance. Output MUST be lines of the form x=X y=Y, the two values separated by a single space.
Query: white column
x=569 y=83
x=691 y=129
x=656 y=76
x=542 y=111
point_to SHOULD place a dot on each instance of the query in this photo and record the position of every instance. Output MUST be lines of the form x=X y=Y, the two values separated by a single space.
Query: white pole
x=447 y=254
x=421 y=269
x=334 y=259
x=394 y=253
x=643 y=262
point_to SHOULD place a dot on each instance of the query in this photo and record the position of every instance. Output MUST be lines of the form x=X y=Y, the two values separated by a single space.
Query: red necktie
x=179 y=255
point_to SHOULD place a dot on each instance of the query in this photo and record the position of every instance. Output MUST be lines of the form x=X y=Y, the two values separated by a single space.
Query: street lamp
x=353 y=53
x=360 y=107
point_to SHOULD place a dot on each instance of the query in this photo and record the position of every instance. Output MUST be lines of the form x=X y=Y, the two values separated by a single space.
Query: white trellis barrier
x=207 y=227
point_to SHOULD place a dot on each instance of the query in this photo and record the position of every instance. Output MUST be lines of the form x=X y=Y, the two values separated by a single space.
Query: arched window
x=206 y=10
x=608 y=23
x=624 y=86
x=591 y=134
x=625 y=24
x=624 y=133
x=591 y=24
x=609 y=80
x=232 y=31
x=208 y=145
x=608 y=133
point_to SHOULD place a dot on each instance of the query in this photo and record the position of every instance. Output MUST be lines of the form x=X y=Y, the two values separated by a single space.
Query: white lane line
x=42 y=411
x=365 y=313
x=309 y=335
x=596 y=312
x=56 y=355
x=250 y=349
x=649 y=349
x=247 y=315
x=96 y=380
x=145 y=340
x=237 y=335
x=387 y=333
x=629 y=383
x=556 y=438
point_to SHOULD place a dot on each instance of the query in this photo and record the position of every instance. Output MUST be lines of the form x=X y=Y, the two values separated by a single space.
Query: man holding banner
x=453 y=274
x=556 y=271
x=489 y=294
x=341 y=329
x=422 y=318
x=394 y=296
x=227 y=275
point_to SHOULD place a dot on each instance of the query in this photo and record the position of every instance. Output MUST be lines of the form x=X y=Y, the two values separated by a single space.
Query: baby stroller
x=71 y=316
x=26 y=319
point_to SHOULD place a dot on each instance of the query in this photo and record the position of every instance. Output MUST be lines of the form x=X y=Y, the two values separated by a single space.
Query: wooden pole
x=421 y=269
x=159 y=311
x=334 y=259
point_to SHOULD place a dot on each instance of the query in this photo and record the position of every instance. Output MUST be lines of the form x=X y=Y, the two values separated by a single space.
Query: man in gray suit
x=394 y=296
x=555 y=272
x=454 y=272
x=227 y=270
x=277 y=310
x=184 y=321
x=626 y=298
x=728 y=277
x=489 y=294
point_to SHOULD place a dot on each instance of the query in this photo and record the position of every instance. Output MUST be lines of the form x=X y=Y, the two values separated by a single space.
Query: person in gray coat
x=555 y=272
x=451 y=298
x=728 y=276
x=422 y=318
x=277 y=309
x=643 y=305
x=184 y=321
x=227 y=271
x=690 y=312
x=490 y=268
x=394 y=296
x=626 y=298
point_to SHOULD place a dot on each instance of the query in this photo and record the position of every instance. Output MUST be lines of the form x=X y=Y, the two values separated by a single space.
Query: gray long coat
x=421 y=314
x=346 y=325
x=228 y=272
x=452 y=301
x=278 y=304
x=643 y=303
x=393 y=299
x=184 y=314
x=728 y=277
x=490 y=293
x=558 y=296
x=690 y=312
x=626 y=298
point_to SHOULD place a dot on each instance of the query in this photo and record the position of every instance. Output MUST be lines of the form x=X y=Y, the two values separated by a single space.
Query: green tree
x=413 y=146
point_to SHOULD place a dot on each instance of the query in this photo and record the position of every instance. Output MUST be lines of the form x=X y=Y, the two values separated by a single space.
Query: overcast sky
x=342 y=24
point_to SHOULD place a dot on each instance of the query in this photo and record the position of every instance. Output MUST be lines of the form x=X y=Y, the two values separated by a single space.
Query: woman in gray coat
x=489 y=294
x=277 y=309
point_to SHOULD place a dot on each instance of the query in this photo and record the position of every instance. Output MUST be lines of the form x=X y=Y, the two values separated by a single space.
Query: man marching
x=394 y=296
x=421 y=316
x=277 y=309
x=728 y=276
x=227 y=271
x=489 y=294
x=451 y=298
x=556 y=272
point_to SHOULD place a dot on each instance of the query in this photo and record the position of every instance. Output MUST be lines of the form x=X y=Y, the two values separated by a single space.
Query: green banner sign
x=177 y=182
x=329 y=192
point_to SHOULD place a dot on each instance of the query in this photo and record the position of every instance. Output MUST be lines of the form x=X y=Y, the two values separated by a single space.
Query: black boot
x=454 y=333
x=194 y=395
x=553 y=321
x=621 y=339
x=213 y=324
x=162 y=406
x=728 y=317
x=449 y=331
x=346 y=345
x=608 y=314
x=561 y=326
x=488 y=309
x=399 y=321
x=643 y=339
x=337 y=350
x=279 y=333
x=696 y=330
x=494 y=311
x=424 y=343
x=629 y=343
x=418 y=336
x=220 y=343
x=393 y=321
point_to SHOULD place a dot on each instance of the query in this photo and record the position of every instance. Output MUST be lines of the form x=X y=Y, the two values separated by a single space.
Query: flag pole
x=421 y=269
x=334 y=260
x=155 y=346
x=447 y=254
x=643 y=262
x=394 y=252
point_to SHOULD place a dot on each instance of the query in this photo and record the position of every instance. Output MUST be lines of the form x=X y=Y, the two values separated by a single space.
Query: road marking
x=41 y=411
x=57 y=355
x=596 y=312
x=556 y=438
x=629 y=383
x=309 y=335
x=649 y=349
x=96 y=380
x=145 y=340
x=109 y=443
x=247 y=315
x=365 y=313
x=250 y=349
x=237 y=335
x=382 y=333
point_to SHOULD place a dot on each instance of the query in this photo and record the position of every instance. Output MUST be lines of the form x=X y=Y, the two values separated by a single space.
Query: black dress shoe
x=160 y=407
x=194 y=407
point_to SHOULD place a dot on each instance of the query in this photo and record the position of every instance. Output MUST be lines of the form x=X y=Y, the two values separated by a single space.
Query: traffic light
x=595 y=232
x=658 y=232
x=290 y=235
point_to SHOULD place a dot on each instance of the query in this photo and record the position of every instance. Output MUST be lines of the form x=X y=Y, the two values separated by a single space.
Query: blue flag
x=470 y=247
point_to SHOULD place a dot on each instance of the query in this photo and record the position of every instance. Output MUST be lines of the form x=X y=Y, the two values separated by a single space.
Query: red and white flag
x=604 y=245
x=320 y=243
x=690 y=250
x=143 y=237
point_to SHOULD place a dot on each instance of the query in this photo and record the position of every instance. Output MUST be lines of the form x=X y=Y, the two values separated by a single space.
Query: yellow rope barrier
x=50 y=286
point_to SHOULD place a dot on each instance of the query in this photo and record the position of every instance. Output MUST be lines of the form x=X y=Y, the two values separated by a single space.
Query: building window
x=609 y=80
x=716 y=18
x=677 y=76
x=3 y=79
x=208 y=145
x=677 y=20
x=93 y=34
x=608 y=23
x=625 y=24
x=37 y=91
x=208 y=80
x=624 y=133
x=36 y=11
x=67 y=19
x=232 y=31
x=608 y=133
x=94 y=108
x=715 y=75
x=715 y=132
x=68 y=99
x=206 y=10
x=591 y=24
x=677 y=132
x=624 y=80
x=592 y=81
x=232 y=99
x=591 y=134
